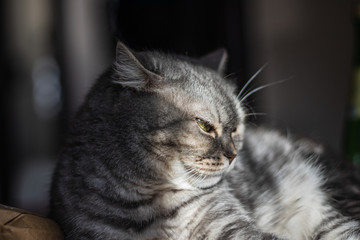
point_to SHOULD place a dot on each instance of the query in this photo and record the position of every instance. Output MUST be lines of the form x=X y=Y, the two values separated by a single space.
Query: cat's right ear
x=216 y=60
x=131 y=73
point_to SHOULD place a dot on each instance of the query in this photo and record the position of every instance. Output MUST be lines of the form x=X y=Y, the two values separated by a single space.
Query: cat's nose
x=230 y=155
x=228 y=148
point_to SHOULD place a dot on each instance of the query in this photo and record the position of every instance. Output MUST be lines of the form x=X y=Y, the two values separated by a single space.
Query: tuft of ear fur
x=216 y=60
x=131 y=73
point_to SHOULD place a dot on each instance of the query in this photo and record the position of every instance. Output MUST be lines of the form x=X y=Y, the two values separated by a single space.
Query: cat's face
x=202 y=122
x=208 y=143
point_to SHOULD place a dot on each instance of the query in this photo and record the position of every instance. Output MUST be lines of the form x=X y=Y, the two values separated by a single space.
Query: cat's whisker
x=195 y=176
x=203 y=178
x=188 y=174
x=249 y=107
x=229 y=75
x=184 y=177
x=188 y=178
x=262 y=87
x=255 y=114
x=191 y=170
x=251 y=79
x=251 y=112
x=198 y=178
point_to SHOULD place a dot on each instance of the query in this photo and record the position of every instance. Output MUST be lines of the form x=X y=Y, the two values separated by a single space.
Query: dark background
x=52 y=51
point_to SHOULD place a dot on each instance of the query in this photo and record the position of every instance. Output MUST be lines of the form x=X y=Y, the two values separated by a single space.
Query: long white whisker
x=190 y=174
x=262 y=87
x=186 y=176
x=252 y=78
x=197 y=176
x=189 y=171
x=198 y=179
x=203 y=178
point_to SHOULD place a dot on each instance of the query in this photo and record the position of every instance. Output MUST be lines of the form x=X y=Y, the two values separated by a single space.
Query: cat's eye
x=204 y=125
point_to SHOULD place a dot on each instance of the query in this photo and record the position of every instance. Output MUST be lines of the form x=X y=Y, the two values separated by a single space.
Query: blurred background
x=51 y=52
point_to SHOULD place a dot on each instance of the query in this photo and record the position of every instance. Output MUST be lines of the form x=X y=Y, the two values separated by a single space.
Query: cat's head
x=178 y=118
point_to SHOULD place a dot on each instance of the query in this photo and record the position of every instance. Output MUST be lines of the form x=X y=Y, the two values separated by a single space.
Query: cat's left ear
x=216 y=60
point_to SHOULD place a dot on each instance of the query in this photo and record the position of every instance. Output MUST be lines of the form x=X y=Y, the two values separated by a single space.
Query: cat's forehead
x=209 y=99
x=177 y=69
x=198 y=90
x=218 y=113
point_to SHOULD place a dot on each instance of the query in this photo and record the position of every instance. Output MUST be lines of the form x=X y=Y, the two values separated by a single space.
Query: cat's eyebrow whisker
x=255 y=114
x=251 y=79
x=262 y=87
x=229 y=75
x=248 y=107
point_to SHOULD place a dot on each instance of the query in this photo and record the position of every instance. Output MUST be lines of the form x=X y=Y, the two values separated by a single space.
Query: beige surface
x=17 y=224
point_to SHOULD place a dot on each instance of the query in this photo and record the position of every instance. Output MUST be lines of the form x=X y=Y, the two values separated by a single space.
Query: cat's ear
x=216 y=60
x=131 y=73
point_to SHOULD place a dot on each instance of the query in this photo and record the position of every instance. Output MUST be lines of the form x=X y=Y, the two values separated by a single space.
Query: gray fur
x=136 y=164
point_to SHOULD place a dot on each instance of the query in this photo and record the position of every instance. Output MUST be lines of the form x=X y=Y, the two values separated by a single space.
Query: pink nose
x=230 y=156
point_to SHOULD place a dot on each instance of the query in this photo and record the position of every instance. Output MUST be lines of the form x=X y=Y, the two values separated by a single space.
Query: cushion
x=17 y=224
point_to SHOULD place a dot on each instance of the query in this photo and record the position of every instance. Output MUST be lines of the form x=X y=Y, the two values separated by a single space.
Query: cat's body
x=159 y=150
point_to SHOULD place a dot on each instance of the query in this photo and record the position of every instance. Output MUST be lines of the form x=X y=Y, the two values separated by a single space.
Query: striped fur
x=136 y=164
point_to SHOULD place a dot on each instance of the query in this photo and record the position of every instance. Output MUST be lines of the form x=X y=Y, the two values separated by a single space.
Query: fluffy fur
x=138 y=165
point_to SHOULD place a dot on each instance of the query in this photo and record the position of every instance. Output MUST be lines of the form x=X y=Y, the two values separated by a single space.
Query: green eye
x=204 y=125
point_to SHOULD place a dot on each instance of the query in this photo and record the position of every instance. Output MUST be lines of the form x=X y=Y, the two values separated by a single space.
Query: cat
x=161 y=149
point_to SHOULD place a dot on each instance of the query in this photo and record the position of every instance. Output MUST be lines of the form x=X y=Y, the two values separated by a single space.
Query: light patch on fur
x=340 y=232
x=304 y=200
x=301 y=199
x=180 y=177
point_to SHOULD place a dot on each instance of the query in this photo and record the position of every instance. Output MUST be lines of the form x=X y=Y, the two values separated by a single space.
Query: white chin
x=208 y=182
x=197 y=183
x=182 y=184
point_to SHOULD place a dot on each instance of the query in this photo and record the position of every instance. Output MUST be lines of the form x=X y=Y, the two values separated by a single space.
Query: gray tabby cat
x=159 y=150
